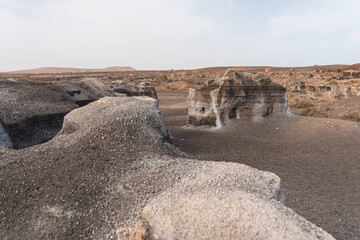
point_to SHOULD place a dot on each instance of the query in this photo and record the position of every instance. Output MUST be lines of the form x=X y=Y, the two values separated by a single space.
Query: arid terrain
x=331 y=91
x=317 y=159
x=314 y=149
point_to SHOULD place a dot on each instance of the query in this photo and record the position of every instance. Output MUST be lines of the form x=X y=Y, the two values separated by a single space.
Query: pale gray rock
x=97 y=174
x=223 y=201
x=94 y=87
x=142 y=89
x=235 y=95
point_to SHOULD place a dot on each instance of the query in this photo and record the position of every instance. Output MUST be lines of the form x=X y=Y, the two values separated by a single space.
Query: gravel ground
x=318 y=160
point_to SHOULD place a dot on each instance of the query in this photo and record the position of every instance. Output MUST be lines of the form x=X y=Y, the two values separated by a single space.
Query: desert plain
x=313 y=148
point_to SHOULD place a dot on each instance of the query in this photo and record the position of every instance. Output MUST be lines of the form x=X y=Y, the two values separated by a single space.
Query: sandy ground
x=317 y=159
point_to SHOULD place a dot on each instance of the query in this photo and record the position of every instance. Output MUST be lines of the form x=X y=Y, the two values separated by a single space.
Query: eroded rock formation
x=142 y=89
x=33 y=112
x=112 y=162
x=235 y=95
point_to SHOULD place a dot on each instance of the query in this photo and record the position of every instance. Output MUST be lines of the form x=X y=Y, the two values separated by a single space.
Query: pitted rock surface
x=244 y=203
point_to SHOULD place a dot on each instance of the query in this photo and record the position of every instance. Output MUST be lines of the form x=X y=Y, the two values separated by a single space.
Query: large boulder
x=112 y=164
x=235 y=95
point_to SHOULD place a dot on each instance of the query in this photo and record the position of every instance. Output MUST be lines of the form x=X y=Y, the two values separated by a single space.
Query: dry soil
x=318 y=159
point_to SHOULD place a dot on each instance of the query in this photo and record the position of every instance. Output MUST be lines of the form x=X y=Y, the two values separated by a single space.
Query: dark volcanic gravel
x=317 y=159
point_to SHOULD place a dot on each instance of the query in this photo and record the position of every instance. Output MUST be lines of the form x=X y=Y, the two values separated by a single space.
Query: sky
x=177 y=34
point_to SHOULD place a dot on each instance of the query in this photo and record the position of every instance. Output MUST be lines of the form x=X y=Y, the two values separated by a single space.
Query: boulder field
x=112 y=172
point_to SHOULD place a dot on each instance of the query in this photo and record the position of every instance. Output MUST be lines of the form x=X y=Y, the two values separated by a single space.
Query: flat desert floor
x=318 y=160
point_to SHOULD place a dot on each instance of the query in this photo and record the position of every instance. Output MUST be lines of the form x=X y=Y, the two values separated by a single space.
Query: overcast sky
x=166 y=34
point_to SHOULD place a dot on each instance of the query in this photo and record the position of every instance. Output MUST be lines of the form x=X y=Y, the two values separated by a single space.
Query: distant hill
x=72 y=70
x=272 y=68
x=355 y=67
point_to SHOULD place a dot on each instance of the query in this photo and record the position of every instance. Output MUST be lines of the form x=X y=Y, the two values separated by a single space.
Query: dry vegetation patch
x=352 y=116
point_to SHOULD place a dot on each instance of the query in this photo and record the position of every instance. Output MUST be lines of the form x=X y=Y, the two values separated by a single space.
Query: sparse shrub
x=339 y=95
x=352 y=116
x=338 y=70
x=321 y=111
x=313 y=112
x=305 y=112
x=301 y=103
x=319 y=94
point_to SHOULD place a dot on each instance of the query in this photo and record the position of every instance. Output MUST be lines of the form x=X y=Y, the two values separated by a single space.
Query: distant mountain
x=72 y=70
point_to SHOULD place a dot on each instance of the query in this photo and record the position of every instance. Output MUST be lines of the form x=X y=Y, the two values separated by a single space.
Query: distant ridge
x=355 y=67
x=72 y=70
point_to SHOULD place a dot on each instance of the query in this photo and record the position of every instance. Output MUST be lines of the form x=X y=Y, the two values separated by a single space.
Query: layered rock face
x=142 y=89
x=33 y=113
x=111 y=172
x=235 y=95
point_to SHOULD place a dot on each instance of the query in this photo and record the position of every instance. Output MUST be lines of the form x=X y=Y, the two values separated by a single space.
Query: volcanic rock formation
x=33 y=112
x=142 y=89
x=235 y=95
x=110 y=160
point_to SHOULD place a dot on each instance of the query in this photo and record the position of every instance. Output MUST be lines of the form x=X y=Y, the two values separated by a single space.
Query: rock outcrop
x=33 y=112
x=112 y=164
x=142 y=89
x=223 y=201
x=235 y=95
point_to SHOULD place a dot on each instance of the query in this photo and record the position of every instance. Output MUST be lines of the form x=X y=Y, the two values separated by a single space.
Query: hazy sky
x=165 y=34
